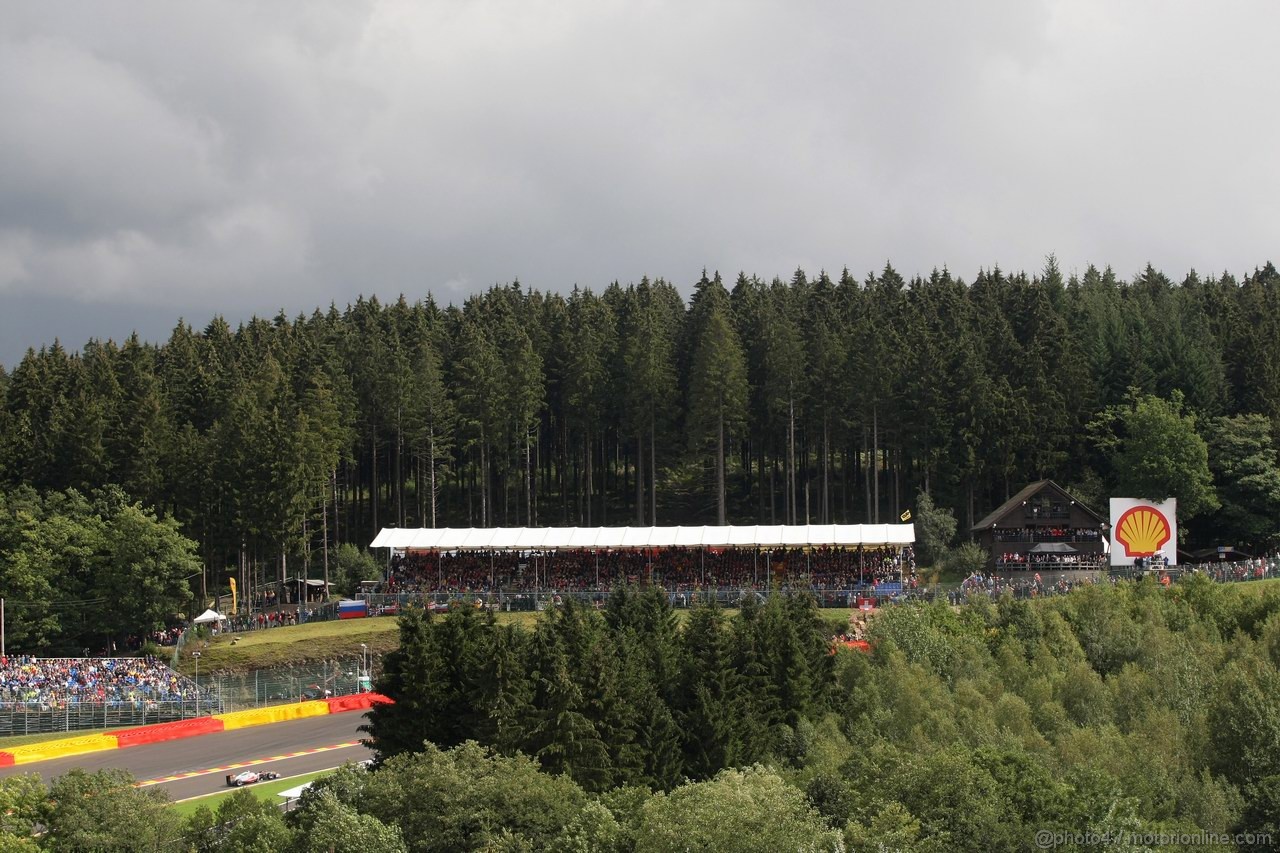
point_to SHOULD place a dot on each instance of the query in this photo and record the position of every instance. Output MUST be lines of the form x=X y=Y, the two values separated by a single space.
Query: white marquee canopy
x=601 y=538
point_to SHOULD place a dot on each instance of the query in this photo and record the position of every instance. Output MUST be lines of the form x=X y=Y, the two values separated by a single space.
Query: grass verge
x=294 y=644
x=298 y=644
x=263 y=791
x=1260 y=586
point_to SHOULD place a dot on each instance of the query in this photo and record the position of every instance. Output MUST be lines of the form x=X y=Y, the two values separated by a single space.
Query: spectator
x=675 y=569
x=59 y=682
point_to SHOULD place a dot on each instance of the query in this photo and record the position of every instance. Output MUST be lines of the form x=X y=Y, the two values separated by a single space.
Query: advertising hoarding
x=1143 y=529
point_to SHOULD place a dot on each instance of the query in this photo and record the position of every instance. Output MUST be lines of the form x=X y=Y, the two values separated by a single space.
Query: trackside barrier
x=32 y=752
x=274 y=714
x=167 y=731
x=161 y=732
x=355 y=702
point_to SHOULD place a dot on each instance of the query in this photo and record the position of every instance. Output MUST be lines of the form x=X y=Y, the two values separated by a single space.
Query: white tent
x=600 y=538
x=294 y=792
x=291 y=795
x=209 y=616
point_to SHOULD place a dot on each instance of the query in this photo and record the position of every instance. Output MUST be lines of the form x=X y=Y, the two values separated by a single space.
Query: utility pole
x=196 y=655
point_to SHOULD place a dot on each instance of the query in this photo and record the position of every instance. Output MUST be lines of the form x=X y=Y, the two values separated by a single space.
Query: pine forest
x=808 y=400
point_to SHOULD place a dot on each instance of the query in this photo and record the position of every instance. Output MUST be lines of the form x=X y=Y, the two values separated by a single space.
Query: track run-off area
x=195 y=766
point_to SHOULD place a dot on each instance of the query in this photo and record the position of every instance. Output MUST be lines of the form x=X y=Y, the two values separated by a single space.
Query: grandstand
x=58 y=694
x=837 y=561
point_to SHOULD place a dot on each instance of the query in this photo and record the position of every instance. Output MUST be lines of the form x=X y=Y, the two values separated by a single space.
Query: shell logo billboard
x=1143 y=529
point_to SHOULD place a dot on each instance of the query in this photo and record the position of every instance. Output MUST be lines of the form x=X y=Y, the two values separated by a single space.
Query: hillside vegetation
x=1129 y=709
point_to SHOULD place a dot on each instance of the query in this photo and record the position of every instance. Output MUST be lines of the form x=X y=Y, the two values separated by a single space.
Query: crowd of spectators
x=1041 y=533
x=1013 y=561
x=675 y=569
x=61 y=682
x=1035 y=584
x=1020 y=587
x=165 y=636
x=1255 y=568
x=268 y=619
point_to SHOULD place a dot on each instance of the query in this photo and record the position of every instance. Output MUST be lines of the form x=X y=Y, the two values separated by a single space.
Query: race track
x=208 y=752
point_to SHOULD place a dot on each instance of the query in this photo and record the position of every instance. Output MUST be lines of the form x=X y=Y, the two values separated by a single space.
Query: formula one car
x=248 y=777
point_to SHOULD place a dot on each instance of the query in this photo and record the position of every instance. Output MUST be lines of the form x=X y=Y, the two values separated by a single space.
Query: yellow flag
x=233 y=596
x=906 y=515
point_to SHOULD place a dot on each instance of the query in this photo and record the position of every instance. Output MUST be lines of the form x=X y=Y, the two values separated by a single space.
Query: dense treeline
x=95 y=572
x=619 y=697
x=812 y=399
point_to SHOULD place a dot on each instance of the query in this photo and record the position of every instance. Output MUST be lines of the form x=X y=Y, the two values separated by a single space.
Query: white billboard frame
x=1138 y=525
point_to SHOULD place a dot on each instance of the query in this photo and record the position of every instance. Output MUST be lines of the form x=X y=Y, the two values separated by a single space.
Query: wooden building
x=1043 y=529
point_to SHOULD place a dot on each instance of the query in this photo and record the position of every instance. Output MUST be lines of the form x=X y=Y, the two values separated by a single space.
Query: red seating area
x=675 y=569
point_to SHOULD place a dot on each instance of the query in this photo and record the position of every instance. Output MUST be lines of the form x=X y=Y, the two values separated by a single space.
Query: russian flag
x=352 y=609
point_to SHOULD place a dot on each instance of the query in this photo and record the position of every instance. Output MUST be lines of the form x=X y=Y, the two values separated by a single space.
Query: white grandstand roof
x=602 y=538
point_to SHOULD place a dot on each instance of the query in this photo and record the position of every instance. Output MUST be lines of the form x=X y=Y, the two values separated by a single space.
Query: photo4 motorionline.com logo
x=1047 y=839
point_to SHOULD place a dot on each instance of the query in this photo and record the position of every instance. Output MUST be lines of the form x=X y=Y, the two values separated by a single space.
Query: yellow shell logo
x=1143 y=531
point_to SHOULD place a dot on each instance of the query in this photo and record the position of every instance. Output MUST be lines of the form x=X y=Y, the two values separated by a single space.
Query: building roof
x=1023 y=496
x=600 y=538
x=1052 y=548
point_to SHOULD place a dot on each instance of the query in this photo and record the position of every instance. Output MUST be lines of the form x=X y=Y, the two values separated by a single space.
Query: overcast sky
x=165 y=159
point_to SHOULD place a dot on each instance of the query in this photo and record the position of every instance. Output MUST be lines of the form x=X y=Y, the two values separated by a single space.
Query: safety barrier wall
x=64 y=747
x=275 y=714
x=80 y=718
x=162 y=732
x=358 y=702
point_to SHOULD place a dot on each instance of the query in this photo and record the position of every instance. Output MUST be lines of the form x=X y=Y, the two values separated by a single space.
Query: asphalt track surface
x=269 y=747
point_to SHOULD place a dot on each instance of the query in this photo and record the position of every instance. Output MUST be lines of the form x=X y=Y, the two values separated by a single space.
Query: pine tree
x=561 y=735
x=717 y=392
x=828 y=387
x=506 y=689
x=431 y=426
x=524 y=400
x=1254 y=358
x=90 y=437
x=411 y=676
x=478 y=380
x=707 y=707
x=590 y=333
x=783 y=366
x=649 y=390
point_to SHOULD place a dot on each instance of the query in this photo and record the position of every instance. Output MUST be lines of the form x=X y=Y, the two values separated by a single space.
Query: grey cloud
x=240 y=157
